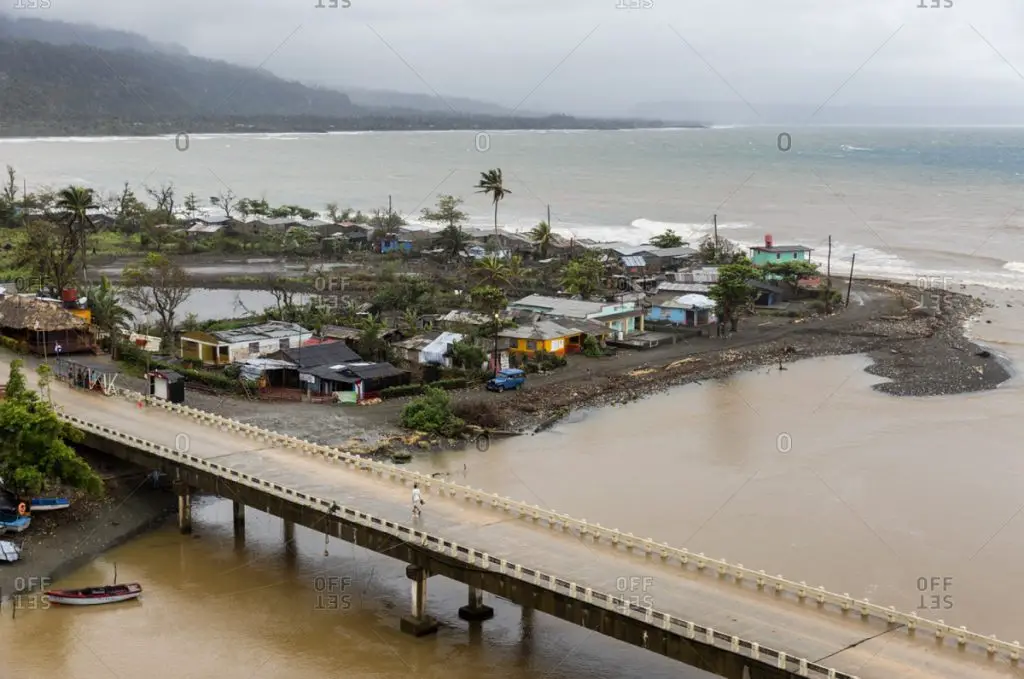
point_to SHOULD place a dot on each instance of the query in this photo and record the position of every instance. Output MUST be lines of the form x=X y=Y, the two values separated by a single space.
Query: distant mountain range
x=58 y=78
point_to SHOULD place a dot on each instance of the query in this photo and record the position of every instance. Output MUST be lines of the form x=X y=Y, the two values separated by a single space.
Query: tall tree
x=76 y=201
x=668 y=239
x=163 y=196
x=733 y=292
x=492 y=184
x=447 y=212
x=225 y=200
x=540 y=236
x=108 y=313
x=49 y=250
x=583 y=275
x=34 y=450
x=157 y=286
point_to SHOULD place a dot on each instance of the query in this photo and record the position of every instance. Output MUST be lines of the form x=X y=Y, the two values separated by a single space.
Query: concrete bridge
x=724 y=618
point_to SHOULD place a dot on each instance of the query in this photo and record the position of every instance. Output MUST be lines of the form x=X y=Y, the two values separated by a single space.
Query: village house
x=432 y=348
x=44 y=326
x=553 y=335
x=622 y=317
x=349 y=336
x=229 y=346
x=668 y=259
x=689 y=310
x=325 y=369
x=392 y=242
x=769 y=252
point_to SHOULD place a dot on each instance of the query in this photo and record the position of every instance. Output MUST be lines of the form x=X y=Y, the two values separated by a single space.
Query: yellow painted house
x=554 y=336
x=227 y=346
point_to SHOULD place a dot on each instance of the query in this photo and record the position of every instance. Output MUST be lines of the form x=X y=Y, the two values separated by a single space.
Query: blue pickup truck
x=510 y=378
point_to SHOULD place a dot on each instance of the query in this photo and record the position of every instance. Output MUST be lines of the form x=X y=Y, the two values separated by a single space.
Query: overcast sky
x=508 y=51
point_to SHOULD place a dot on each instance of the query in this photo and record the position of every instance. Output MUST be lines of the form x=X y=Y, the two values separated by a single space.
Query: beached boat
x=9 y=552
x=12 y=523
x=94 y=596
x=48 y=504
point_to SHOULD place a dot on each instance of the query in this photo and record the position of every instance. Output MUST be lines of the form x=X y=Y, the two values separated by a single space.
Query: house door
x=160 y=389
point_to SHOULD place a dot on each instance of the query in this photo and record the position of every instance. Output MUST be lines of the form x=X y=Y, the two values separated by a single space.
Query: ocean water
x=910 y=202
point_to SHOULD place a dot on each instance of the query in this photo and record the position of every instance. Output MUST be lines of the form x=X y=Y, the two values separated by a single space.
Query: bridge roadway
x=863 y=647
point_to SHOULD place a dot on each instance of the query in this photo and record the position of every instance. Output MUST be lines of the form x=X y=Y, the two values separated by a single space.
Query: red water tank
x=767 y=240
x=69 y=295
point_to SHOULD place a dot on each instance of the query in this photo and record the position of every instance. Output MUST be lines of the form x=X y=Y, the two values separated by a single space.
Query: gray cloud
x=783 y=51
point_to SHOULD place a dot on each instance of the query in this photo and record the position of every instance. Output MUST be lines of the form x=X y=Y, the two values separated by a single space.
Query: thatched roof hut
x=18 y=312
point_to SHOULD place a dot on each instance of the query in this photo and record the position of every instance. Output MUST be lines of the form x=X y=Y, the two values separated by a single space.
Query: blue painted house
x=769 y=252
x=393 y=243
x=686 y=310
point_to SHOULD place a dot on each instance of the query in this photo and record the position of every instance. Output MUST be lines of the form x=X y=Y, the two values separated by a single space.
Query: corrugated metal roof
x=206 y=228
x=634 y=260
x=667 y=286
x=558 y=306
x=681 y=251
x=264 y=331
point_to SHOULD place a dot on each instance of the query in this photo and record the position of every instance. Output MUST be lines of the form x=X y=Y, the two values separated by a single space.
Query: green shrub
x=403 y=390
x=591 y=347
x=417 y=389
x=432 y=413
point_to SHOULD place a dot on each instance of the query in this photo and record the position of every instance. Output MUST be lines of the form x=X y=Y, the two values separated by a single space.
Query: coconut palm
x=540 y=236
x=492 y=184
x=108 y=313
x=492 y=270
x=76 y=201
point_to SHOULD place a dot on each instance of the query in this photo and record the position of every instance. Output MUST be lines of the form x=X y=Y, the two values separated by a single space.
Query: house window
x=254 y=347
x=531 y=345
x=282 y=344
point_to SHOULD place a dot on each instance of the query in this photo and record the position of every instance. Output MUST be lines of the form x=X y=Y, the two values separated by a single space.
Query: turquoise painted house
x=769 y=252
x=689 y=310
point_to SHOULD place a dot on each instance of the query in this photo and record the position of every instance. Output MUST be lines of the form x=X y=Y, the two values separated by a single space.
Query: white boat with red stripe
x=94 y=596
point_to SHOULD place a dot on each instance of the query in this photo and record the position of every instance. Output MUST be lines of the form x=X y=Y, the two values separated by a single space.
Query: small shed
x=167 y=384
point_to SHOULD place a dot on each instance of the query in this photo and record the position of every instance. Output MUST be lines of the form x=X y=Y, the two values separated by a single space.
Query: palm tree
x=371 y=339
x=77 y=201
x=492 y=270
x=540 y=235
x=108 y=313
x=515 y=272
x=491 y=183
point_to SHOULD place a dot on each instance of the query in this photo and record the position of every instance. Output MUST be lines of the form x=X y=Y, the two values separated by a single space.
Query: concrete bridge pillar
x=289 y=537
x=184 y=504
x=475 y=610
x=418 y=623
x=238 y=514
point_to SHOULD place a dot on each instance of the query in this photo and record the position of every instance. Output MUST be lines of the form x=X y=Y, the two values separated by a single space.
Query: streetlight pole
x=495 y=344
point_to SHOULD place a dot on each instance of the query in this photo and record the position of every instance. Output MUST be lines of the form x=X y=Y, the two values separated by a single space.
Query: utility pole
x=828 y=278
x=714 y=222
x=389 y=211
x=549 y=216
x=849 y=285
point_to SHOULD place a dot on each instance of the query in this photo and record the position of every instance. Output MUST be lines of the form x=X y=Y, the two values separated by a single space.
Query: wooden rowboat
x=94 y=596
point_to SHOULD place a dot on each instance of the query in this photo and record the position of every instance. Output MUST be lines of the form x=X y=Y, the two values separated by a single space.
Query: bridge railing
x=691 y=630
x=556 y=520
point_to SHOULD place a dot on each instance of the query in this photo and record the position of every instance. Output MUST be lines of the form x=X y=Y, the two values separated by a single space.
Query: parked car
x=510 y=378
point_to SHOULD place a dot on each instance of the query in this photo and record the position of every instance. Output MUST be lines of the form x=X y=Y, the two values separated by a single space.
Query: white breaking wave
x=847 y=147
x=1017 y=267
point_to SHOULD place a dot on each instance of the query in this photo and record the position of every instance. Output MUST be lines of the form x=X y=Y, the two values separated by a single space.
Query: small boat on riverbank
x=12 y=523
x=9 y=552
x=48 y=504
x=94 y=596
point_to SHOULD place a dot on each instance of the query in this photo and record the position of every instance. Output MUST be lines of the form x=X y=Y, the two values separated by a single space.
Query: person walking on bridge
x=417 y=500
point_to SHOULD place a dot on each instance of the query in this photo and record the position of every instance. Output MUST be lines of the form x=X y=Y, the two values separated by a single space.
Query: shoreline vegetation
x=395 y=282
x=410 y=122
